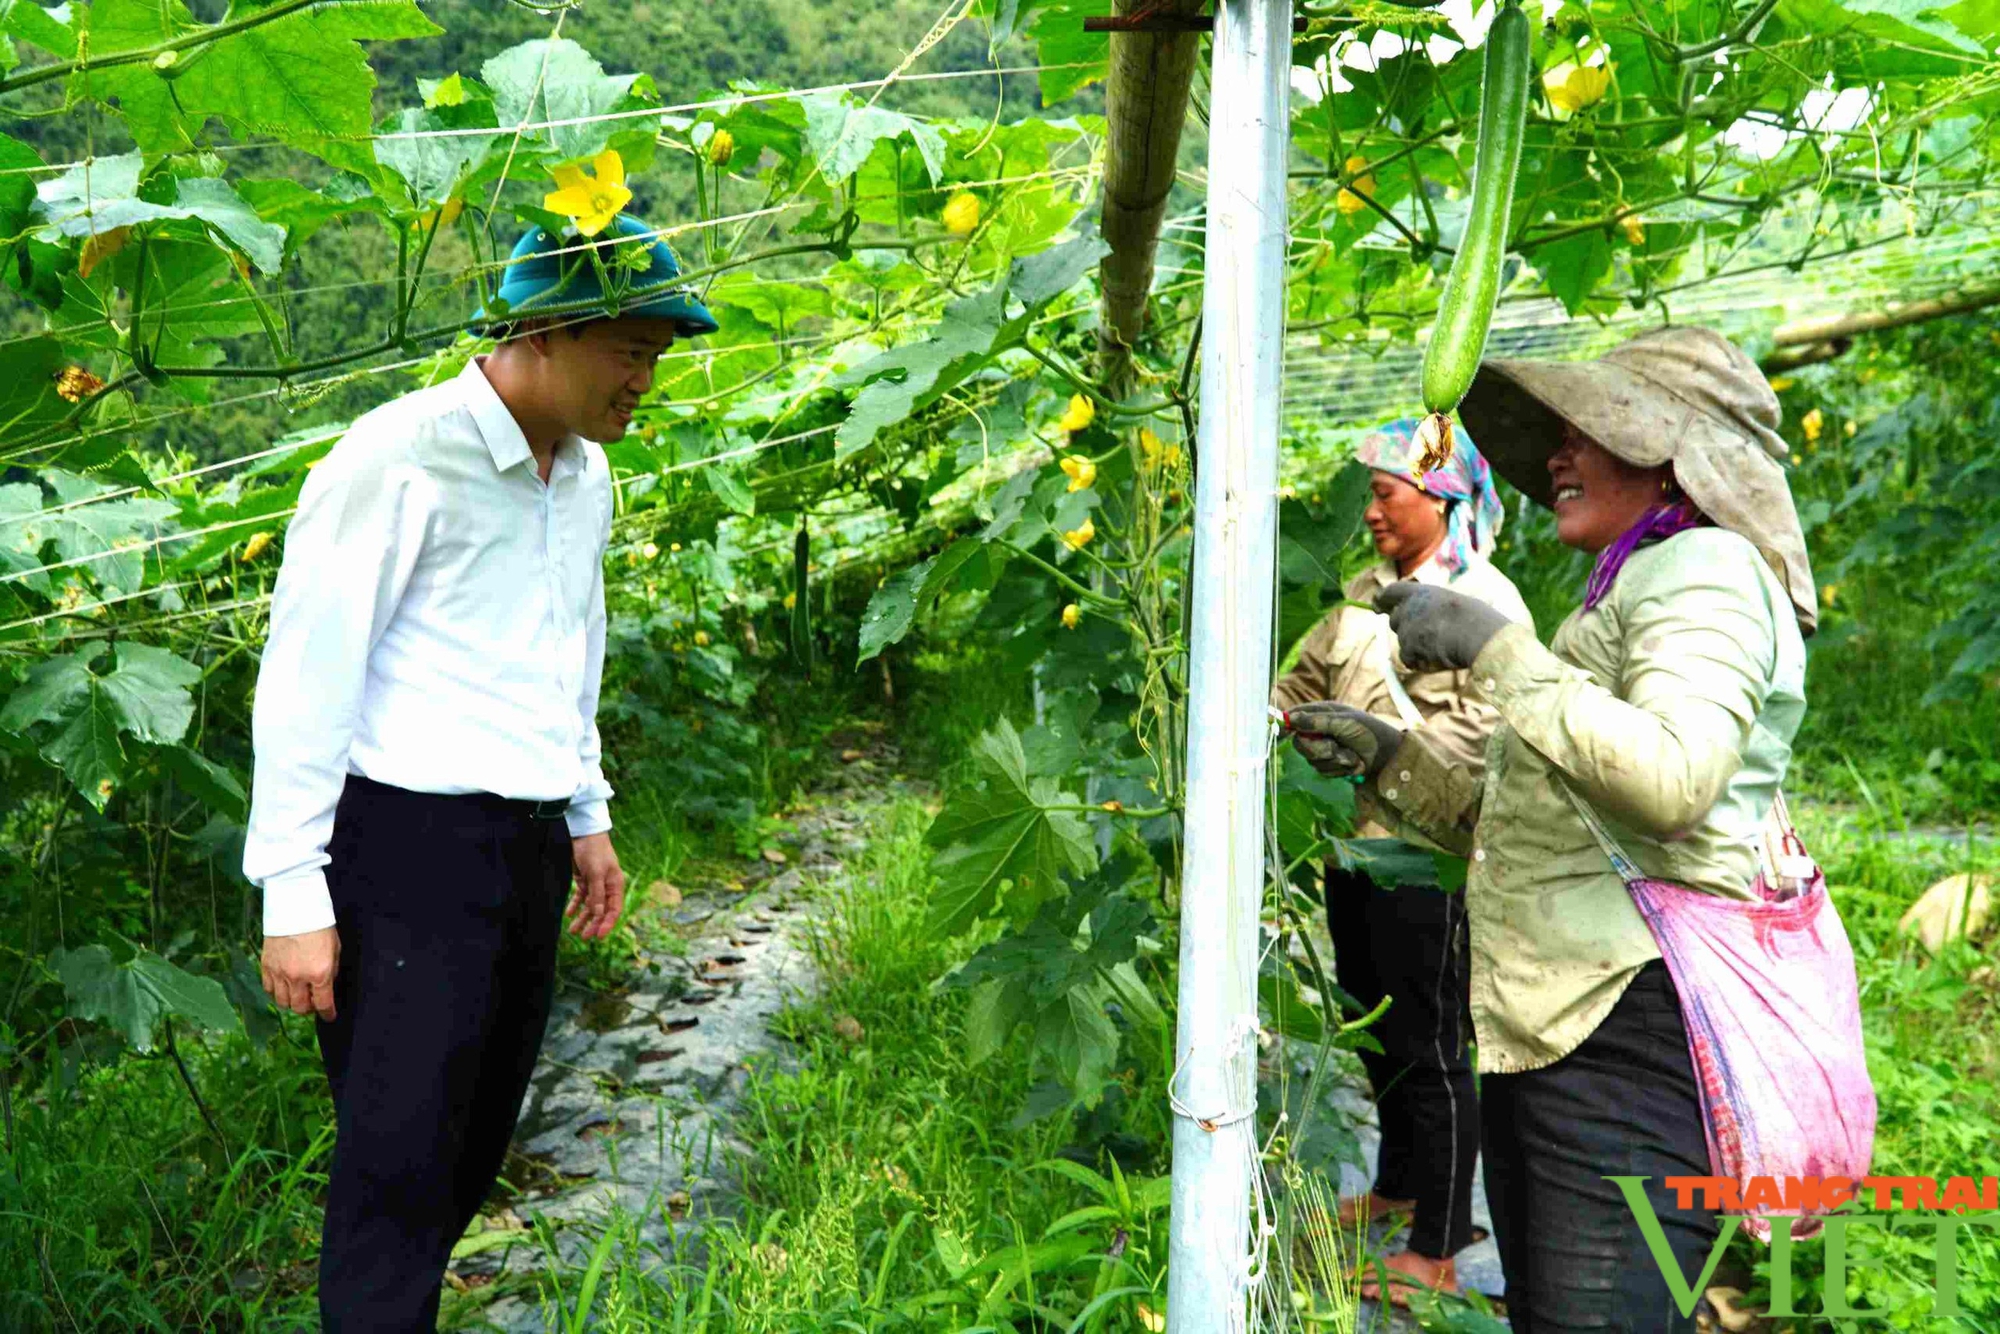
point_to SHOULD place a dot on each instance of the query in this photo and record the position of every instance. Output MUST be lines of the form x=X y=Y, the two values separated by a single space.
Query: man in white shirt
x=428 y=777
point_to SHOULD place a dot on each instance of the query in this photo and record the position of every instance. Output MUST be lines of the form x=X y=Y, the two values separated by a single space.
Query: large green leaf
x=149 y=692
x=53 y=687
x=106 y=537
x=433 y=166
x=28 y=398
x=840 y=134
x=303 y=79
x=1079 y=1041
x=542 y=81
x=215 y=785
x=105 y=193
x=1311 y=537
x=134 y=996
x=87 y=749
x=1002 y=832
x=22 y=535
x=892 y=609
x=17 y=185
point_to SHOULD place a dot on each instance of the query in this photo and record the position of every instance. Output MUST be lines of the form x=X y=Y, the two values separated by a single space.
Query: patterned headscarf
x=1472 y=519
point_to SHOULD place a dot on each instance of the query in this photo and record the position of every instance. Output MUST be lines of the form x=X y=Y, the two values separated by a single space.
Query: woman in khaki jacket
x=1664 y=711
x=1409 y=943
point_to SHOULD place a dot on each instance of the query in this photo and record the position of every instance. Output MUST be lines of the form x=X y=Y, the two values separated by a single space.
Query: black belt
x=553 y=809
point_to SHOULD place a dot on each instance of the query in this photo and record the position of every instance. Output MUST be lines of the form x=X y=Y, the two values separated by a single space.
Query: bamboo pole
x=1145 y=107
x=1215 y=1163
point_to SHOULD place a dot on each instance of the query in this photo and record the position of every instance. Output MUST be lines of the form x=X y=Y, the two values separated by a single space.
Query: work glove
x=1437 y=629
x=1342 y=741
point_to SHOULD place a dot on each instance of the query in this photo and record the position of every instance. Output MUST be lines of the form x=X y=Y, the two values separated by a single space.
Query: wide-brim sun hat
x=548 y=270
x=1682 y=395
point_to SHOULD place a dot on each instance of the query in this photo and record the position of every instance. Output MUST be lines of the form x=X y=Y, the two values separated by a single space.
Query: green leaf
x=1079 y=1041
x=905 y=378
x=995 y=1009
x=303 y=79
x=1000 y=832
x=1311 y=537
x=432 y=167
x=47 y=28
x=1573 y=268
x=17 y=185
x=134 y=996
x=892 y=609
x=730 y=488
x=148 y=692
x=1035 y=280
x=102 y=195
x=213 y=784
x=841 y=134
x=22 y=536
x=88 y=749
x=302 y=212
x=106 y=536
x=28 y=398
x=546 y=80
x=52 y=690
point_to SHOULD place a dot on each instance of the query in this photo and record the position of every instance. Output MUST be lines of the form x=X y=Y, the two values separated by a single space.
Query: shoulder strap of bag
x=1627 y=870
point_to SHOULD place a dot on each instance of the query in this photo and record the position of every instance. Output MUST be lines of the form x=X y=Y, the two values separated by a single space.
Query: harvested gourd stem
x=1465 y=312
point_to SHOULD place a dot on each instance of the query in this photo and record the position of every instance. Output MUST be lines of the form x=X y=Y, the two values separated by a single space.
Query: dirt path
x=632 y=1101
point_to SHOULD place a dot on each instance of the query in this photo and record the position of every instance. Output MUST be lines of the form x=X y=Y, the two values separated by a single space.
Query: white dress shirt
x=438 y=625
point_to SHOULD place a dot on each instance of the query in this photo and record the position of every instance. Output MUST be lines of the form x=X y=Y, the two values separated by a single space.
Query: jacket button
x=1404 y=776
x=1390 y=793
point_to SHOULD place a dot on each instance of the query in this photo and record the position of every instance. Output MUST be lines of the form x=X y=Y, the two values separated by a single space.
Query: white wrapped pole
x=1235 y=538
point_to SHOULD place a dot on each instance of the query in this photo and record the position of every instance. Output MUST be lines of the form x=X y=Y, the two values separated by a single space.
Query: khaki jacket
x=1346 y=656
x=1671 y=708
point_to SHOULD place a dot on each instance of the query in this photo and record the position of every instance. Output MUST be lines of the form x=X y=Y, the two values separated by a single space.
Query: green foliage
x=135 y=996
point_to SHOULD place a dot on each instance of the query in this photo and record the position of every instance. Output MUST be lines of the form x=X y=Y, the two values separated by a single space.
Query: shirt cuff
x=297 y=902
x=1512 y=661
x=588 y=817
x=1429 y=792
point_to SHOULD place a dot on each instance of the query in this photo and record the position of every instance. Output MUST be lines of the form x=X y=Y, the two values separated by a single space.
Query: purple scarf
x=1655 y=525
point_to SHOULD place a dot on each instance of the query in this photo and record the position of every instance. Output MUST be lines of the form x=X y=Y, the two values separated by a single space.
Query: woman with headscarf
x=1409 y=943
x=1662 y=713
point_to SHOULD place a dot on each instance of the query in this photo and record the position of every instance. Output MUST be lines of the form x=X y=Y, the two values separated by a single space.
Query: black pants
x=1625 y=1103
x=449 y=910
x=1410 y=945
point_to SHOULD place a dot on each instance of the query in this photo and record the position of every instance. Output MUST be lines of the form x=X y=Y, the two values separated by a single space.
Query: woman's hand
x=1437 y=629
x=1342 y=741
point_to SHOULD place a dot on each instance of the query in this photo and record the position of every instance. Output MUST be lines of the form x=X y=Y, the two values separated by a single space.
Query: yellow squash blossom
x=255 y=546
x=1349 y=199
x=1781 y=384
x=1076 y=539
x=701 y=639
x=1071 y=615
x=590 y=201
x=1572 y=87
x=1080 y=471
x=76 y=384
x=961 y=213
x=1812 y=424
x=650 y=550
x=1080 y=413
x=444 y=216
x=1635 y=230
x=721 y=148
x=1156 y=450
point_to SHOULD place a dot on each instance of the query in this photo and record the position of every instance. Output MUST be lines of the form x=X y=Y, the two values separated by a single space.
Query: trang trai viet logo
x=1948 y=1206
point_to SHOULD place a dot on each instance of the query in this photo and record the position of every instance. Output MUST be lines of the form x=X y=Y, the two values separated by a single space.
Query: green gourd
x=1458 y=338
x=802 y=645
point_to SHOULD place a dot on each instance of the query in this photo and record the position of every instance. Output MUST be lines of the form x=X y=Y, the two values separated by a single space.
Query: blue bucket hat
x=536 y=272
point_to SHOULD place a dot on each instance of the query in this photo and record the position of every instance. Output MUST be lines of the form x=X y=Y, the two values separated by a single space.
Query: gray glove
x=1437 y=629
x=1341 y=740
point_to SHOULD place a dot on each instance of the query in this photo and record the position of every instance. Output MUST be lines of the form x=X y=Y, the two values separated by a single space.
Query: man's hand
x=1437 y=629
x=298 y=971
x=1342 y=741
x=600 y=887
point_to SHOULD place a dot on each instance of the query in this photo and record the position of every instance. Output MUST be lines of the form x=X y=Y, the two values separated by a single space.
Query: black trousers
x=1625 y=1103
x=1410 y=945
x=449 y=909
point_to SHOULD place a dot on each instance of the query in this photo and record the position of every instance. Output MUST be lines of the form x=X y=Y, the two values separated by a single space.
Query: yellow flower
x=1812 y=424
x=1635 y=230
x=961 y=213
x=1830 y=594
x=1849 y=428
x=701 y=639
x=1076 y=539
x=1113 y=806
x=1080 y=413
x=721 y=148
x=1572 y=87
x=673 y=546
x=791 y=600
x=76 y=384
x=590 y=201
x=1151 y=1319
x=1349 y=200
x=650 y=550
x=255 y=546
x=1781 y=384
x=1071 y=615
x=1080 y=471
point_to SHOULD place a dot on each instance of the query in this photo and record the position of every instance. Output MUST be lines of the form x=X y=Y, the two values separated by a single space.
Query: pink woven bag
x=1773 y=1016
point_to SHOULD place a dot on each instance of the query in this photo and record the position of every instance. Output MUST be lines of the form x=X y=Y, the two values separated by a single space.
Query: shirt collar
x=1432 y=571
x=502 y=434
